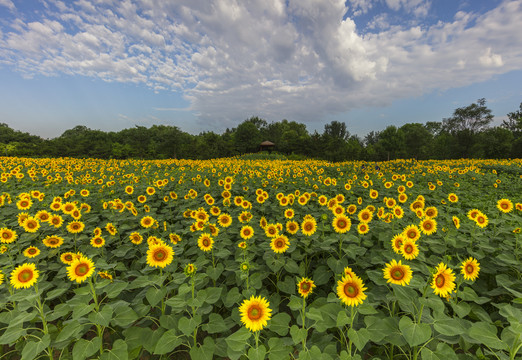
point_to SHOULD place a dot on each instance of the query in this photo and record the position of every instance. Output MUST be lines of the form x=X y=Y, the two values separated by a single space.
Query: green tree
x=514 y=122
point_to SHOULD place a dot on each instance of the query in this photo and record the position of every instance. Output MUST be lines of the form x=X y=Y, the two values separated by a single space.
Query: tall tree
x=472 y=118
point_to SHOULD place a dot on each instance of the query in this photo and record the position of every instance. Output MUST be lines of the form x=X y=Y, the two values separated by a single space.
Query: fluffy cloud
x=297 y=59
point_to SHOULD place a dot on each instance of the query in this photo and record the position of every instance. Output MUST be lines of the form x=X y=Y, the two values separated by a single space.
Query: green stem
x=304 y=322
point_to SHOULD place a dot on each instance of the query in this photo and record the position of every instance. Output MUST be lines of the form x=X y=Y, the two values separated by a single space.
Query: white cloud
x=299 y=59
x=8 y=4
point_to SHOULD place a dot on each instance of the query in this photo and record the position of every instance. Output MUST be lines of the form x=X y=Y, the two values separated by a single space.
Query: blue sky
x=207 y=65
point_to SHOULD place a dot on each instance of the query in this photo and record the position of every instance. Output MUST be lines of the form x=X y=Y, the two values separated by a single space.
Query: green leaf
x=359 y=337
x=187 y=326
x=154 y=295
x=233 y=297
x=278 y=349
x=287 y=286
x=415 y=334
x=103 y=317
x=378 y=327
x=71 y=330
x=461 y=309
x=213 y=294
x=238 y=340
x=342 y=319
x=204 y=352
x=298 y=334
x=215 y=324
x=118 y=351
x=125 y=316
x=55 y=293
x=486 y=334
x=33 y=348
x=279 y=324
x=295 y=303
x=114 y=289
x=257 y=353
x=168 y=342
x=150 y=338
x=12 y=334
x=448 y=327
x=511 y=313
x=84 y=349
x=177 y=303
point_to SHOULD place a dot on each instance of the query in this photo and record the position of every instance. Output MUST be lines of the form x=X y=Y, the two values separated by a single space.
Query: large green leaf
x=84 y=349
x=279 y=323
x=168 y=342
x=103 y=317
x=486 y=334
x=257 y=353
x=359 y=337
x=238 y=340
x=33 y=348
x=415 y=334
x=118 y=351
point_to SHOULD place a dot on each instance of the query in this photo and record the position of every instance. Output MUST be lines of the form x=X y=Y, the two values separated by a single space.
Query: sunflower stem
x=44 y=320
x=304 y=322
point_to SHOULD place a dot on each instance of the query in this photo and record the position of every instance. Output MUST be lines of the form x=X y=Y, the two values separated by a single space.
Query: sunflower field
x=260 y=259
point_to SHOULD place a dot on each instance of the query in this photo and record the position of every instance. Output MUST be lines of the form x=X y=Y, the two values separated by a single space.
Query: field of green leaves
x=260 y=259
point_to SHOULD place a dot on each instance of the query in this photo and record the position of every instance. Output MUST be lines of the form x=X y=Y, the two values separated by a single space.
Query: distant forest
x=466 y=134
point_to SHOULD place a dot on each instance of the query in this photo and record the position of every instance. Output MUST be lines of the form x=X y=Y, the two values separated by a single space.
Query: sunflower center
x=350 y=290
x=427 y=226
x=398 y=243
x=255 y=312
x=205 y=242
x=160 y=255
x=6 y=235
x=341 y=224
x=68 y=257
x=440 y=280
x=305 y=286
x=81 y=269
x=31 y=251
x=412 y=234
x=397 y=274
x=279 y=244
x=408 y=249
x=308 y=227
x=25 y=276
x=469 y=269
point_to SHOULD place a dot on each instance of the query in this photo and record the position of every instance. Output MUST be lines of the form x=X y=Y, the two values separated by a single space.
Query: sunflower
x=374 y=194
x=246 y=232
x=43 y=215
x=31 y=225
x=31 y=252
x=305 y=287
x=481 y=220
x=398 y=212
x=24 y=276
x=396 y=273
x=7 y=236
x=470 y=269
x=105 y=275
x=56 y=220
x=443 y=281
x=363 y=228
x=190 y=270
x=341 y=224
x=205 y=242
x=289 y=213
x=97 y=241
x=68 y=208
x=505 y=205
x=80 y=269
x=111 y=229
x=409 y=249
x=159 y=255
x=67 y=258
x=473 y=213
x=129 y=190
x=174 y=238
x=75 y=227
x=412 y=232
x=347 y=271
x=431 y=212
x=456 y=222
x=365 y=215
x=309 y=226
x=351 y=209
x=224 y=220
x=136 y=238
x=24 y=204
x=292 y=227
x=244 y=267
x=350 y=289
x=1 y=277
x=242 y=245
x=255 y=313
x=147 y=222
x=150 y=190
x=271 y=230
x=280 y=244
x=428 y=226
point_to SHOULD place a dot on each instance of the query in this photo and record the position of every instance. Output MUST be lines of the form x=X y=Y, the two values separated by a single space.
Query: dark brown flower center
x=350 y=290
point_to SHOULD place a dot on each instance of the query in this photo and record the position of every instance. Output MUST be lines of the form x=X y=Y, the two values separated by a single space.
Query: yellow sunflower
x=309 y=226
x=305 y=287
x=255 y=313
x=412 y=232
x=159 y=255
x=24 y=276
x=56 y=220
x=350 y=289
x=97 y=241
x=470 y=269
x=428 y=226
x=481 y=220
x=190 y=269
x=363 y=228
x=205 y=242
x=75 y=227
x=443 y=281
x=453 y=197
x=31 y=225
x=67 y=258
x=271 y=230
x=456 y=221
x=147 y=222
x=279 y=244
x=365 y=215
x=505 y=205
x=292 y=227
x=396 y=273
x=80 y=269
x=31 y=252
x=341 y=224
x=409 y=249
x=246 y=232
x=7 y=236
x=1 y=277
x=224 y=220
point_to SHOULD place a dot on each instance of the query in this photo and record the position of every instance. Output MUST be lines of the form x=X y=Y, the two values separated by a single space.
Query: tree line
x=466 y=134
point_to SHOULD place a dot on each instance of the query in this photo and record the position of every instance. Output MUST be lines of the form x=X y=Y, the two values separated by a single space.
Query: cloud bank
x=297 y=59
